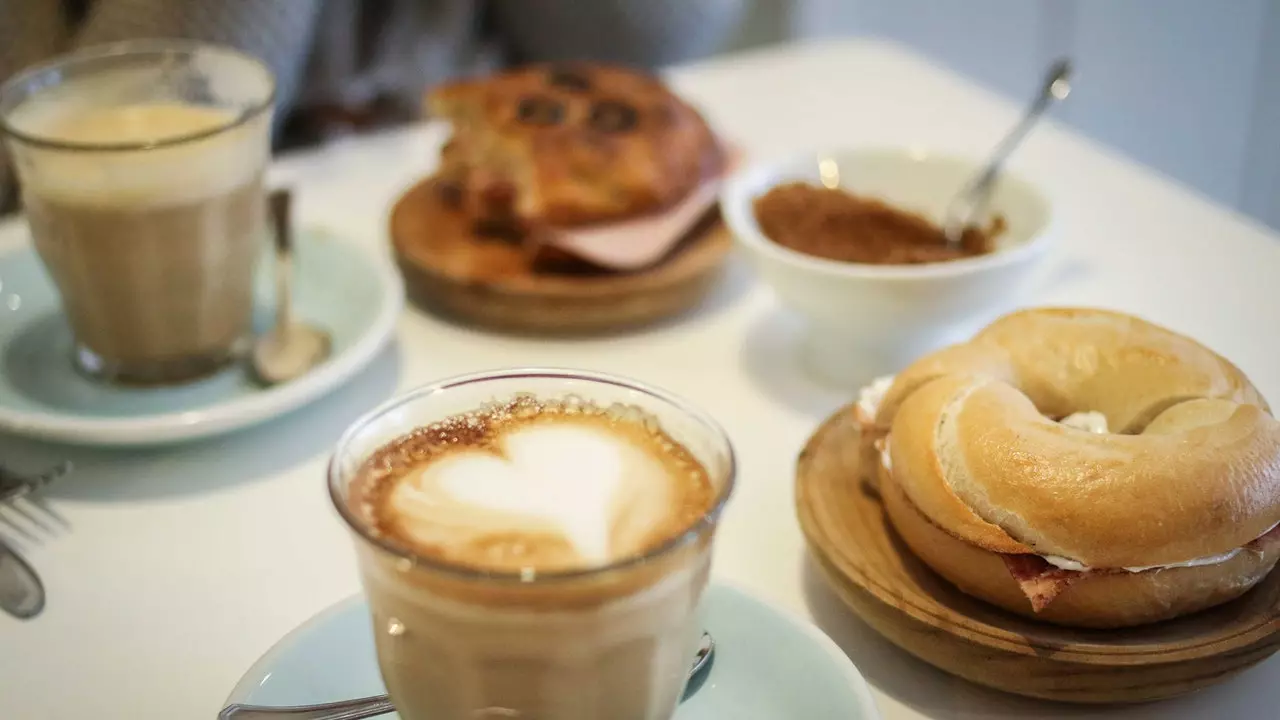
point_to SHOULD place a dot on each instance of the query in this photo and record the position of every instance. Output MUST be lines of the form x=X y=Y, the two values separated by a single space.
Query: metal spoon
x=380 y=705
x=972 y=200
x=290 y=349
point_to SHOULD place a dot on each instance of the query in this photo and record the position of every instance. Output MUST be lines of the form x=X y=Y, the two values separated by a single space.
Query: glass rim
x=121 y=49
x=686 y=537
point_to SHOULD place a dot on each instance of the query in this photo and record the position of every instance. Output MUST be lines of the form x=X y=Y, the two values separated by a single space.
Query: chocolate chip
x=450 y=194
x=613 y=116
x=497 y=229
x=540 y=110
x=568 y=78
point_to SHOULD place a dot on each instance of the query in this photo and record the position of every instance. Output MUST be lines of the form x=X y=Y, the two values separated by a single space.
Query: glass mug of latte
x=534 y=543
x=141 y=167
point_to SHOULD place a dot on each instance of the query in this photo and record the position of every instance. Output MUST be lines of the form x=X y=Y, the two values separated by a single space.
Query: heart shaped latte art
x=568 y=479
x=564 y=475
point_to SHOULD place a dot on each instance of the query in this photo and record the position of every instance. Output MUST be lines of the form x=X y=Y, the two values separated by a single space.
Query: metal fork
x=21 y=591
x=24 y=512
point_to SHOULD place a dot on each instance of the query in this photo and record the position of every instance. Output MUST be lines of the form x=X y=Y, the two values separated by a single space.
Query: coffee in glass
x=141 y=167
x=534 y=543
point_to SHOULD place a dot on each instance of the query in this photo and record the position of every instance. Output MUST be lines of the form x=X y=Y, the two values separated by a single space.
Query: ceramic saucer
x=339 y=286
x=767 y=665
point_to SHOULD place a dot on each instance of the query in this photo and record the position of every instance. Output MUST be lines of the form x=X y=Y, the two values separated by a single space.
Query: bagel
x=1167 y=505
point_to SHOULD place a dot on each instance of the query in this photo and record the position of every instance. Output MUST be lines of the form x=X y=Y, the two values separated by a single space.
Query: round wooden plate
x=493 y=288
x=871 y=569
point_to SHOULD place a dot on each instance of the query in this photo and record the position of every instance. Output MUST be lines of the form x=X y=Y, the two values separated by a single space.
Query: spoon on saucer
x=290 y=348
x=376 y=705
x=972 y=200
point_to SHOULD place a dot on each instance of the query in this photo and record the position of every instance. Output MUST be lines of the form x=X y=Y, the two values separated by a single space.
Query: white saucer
x=767 y=665
x=338 y=286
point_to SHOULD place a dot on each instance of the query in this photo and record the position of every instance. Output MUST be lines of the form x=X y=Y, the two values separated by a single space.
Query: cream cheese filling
x=1089 y=420
x=1069 y=564
x=870 y=397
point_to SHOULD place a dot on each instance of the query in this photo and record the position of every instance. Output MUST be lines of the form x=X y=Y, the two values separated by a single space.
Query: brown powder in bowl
x=837 y=225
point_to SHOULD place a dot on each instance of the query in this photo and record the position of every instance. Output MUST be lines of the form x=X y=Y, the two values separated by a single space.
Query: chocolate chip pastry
x=569 y=145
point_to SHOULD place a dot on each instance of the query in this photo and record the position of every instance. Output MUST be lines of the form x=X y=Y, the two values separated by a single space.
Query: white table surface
x=183 y=565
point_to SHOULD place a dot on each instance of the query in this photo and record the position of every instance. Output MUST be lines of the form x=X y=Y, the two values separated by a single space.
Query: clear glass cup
x=141 y=167
x=611 y=642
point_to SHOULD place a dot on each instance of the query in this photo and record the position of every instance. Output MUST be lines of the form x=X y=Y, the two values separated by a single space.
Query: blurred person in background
x=350 y=65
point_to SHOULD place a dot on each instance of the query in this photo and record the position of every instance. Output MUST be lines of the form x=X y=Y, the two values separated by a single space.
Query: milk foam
x=184 y=172
x=602 y=492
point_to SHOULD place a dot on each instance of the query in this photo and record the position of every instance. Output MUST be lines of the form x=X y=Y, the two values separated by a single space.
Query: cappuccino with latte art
x=540 y=553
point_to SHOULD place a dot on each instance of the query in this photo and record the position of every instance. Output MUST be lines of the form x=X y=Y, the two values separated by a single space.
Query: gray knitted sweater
x=347 y=52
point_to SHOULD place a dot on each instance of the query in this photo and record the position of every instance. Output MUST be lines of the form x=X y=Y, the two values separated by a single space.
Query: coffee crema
x=533 y=484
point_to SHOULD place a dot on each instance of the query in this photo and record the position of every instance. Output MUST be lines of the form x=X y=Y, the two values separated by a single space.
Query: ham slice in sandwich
x=637 y=243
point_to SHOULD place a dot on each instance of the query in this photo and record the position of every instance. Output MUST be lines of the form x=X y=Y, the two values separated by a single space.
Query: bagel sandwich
x=1081 y=467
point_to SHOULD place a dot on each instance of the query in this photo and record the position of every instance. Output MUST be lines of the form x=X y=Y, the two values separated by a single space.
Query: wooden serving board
x=489 y=284
x=873 y=572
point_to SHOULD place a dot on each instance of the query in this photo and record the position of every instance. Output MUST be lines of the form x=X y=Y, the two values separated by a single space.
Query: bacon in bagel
x=1039 y=581
x=1178 y=511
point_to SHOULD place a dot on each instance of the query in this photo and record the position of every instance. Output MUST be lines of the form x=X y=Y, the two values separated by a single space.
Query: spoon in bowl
x=972 y=199
x=290 y=348
x=376 y=705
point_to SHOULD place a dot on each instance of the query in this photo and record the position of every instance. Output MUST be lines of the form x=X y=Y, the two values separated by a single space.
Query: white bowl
x=865 y=320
